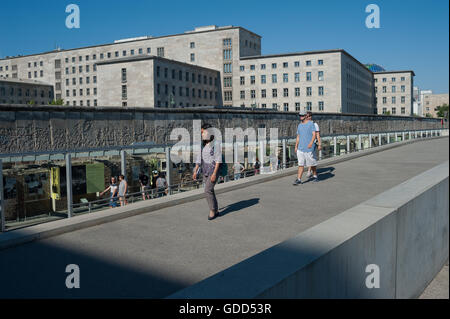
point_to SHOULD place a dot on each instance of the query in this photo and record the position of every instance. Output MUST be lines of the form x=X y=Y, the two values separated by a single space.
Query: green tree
x=57 y=102
x=442 y=110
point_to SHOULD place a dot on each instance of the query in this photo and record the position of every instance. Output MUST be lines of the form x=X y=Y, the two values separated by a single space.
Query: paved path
x=153 y=255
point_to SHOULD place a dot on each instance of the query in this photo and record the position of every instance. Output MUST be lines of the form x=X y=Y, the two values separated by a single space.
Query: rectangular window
x=274 y=78
x=227 y=82
x=308 y=91
x=252 y=79
x=321 y=106
x=242 y=95
x=393 y=79
x=308 y=63
x=124 y=75
x=297 y=91
x=242 y=80
x=285 y=64
x=263 y=66
x=403 y=89
x=320 y=90
x=274 y=65
x=394 y=110
x=242 y=68
x=297 y=106
x=252 y=67
x=384 y=89
x=124 y=92
x=192 y=57
x=285 y=78
x=227 y=54
x=192 y=45
x=403 y=99
x=149 y=50
x=297 y=64
x=274 y=93
x=320 y=75
x=393 y=89
x=95 y=79
x=252 y=94
x=263 y=93
x=320 y=62
x=384 y=100
x=227 y=68
x=286 y=107
x=228 y=96
x=160 y=52
x=285 y=92
x=263 y=79
x=308 y=76
x=403 y=110
x=297 y=77
x=393 y=100
x=402 y=78
x=309 y=106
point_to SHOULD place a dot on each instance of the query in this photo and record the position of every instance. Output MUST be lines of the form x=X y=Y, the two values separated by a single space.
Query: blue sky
x=414 y=34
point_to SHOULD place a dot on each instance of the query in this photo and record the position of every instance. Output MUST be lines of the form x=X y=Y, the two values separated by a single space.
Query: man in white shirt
x=318 y=143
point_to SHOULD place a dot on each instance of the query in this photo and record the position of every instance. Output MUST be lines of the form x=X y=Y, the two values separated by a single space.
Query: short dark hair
x=309 y=113
x=205 y=127
x=123 y=177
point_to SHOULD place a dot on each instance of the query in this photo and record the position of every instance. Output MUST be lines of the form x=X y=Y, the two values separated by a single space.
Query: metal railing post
x=403 y=136
x=359 y=142
x=335 y=145
x=379 y=139
x=370 y=140
x=123 y=163
x=168 y=170
x=348 y=144
x=284 y=152
x=69 y=184
x=2 y=199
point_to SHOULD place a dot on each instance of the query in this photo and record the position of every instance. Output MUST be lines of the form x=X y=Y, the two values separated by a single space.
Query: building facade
x=16 y=91
x=74 y=72
x=432 y=101
x=317 y=81
x=147 y=81
x=394 y=92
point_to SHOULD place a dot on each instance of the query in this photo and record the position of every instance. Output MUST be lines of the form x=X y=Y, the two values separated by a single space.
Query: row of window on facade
x=80 y=69
x=227 y=81
x=402 y=79
x=88 y=92
x=166 y=104
x=309 y=92
x=250 y=44
x=394 y=110
x=116 y=54
x=308 y=106
x=26 y=102
x=393 y=89
x=88 y=103
x=26 y=92
x=252 y=67
x=41 y=74
x=178 y=75
x=182 y=91
x=80 y=80
x=393 y=100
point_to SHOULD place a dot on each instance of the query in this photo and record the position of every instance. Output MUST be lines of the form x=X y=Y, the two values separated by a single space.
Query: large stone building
x=321 y=81
x=75 y=70
x=17 y=91
x=431 y=101
x=394 y=92
x=318 y=81
x=147 y=81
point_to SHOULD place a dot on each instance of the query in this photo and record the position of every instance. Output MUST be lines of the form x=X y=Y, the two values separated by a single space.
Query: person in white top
x=318 y=143
x=113 y=188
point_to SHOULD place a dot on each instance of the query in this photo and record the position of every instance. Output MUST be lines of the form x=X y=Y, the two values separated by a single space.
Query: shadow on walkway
x=238 y=206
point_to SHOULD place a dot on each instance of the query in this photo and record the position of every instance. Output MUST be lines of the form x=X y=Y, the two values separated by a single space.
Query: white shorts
x=306 y=159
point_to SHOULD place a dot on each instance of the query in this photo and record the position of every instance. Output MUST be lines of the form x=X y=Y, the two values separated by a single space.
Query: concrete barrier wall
x=404 y=231
x=44 y=128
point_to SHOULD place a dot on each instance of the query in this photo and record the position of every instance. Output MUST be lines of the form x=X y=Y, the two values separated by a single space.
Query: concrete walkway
x=155 y=254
